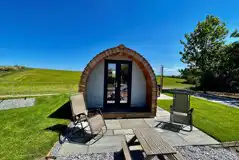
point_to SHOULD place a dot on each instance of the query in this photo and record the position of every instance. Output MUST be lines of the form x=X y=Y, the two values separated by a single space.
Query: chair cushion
x=181 y=102
x=78 y=104
x=96 y=123
x=180 y=117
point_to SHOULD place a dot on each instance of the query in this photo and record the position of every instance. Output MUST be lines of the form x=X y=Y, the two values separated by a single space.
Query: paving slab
x=133 y=123
x=197 y=137
x=78 y=139
x=162 y=119
x=104 y=149
x=161 y=130
x=107 y=144
x=136 y=147
x=164 y=97
x=16 y=103
x=72 y=148
x=128 y=137
x=173 y=139
x=162 y=113
x=123 y=132
x=109 y=132
x=113 y=124
x=188 y=128
x=109 y=140
x=151 y=122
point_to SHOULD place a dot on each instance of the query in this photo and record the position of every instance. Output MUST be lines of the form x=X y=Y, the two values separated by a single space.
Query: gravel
x=92 y=156
x=188 y=152
x=16 y=103
x=206 y=153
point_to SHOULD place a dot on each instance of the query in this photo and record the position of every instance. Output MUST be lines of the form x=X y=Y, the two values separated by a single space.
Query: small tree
x=202 y=47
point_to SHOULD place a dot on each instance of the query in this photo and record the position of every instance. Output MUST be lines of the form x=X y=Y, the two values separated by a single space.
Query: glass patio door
x=117 y=88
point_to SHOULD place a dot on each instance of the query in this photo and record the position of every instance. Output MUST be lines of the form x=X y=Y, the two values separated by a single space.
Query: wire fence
x=30 y=88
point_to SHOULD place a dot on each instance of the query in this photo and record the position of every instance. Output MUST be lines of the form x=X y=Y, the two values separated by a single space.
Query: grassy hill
x=32 y=81
x=169 y=82
x=43 y=75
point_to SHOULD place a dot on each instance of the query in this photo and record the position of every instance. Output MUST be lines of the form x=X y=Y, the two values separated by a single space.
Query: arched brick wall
x=121 y=50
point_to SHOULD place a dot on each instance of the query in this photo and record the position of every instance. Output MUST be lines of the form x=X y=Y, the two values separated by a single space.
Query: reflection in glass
x=124 y=70
x=111 y=83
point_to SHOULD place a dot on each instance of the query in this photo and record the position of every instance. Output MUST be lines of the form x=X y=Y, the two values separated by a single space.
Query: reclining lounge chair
x=92 y=118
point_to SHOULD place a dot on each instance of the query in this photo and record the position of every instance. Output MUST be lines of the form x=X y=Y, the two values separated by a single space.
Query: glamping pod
x=122 y=82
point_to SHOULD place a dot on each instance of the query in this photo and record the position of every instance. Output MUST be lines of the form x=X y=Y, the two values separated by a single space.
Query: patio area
x=121 y=129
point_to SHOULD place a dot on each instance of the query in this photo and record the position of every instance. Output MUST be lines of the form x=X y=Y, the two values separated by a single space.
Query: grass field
x=33 y=81
x=43 y=75
x=169 y=82
x=25 y=132
x=217 y=120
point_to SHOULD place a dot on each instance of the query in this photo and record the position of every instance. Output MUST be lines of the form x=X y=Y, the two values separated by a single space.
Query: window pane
x=111 y=83
x=124 y=76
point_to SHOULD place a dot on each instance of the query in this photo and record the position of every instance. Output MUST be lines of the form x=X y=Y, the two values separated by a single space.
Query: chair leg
x=96 y=139
x=191 y=128
x=158 y=124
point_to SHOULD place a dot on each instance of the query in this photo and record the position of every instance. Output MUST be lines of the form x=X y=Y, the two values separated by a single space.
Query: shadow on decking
x=64 y=112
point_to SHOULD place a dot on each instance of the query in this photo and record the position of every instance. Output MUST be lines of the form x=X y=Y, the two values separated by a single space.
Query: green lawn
x=169 y=82
x=217 y=120
x=32 y=81
x=43 y=75
x=24 y=133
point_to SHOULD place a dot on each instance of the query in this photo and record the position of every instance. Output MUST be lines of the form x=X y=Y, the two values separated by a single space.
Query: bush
x=207 y=81
x=191 y=79
x=11 y=68
x=234 y=87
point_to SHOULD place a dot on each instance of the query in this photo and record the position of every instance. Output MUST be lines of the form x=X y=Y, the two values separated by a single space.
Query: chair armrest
x=79 y=117
x=190 y=111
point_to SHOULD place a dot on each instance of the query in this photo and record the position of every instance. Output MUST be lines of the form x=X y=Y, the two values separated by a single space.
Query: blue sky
x=67 y=34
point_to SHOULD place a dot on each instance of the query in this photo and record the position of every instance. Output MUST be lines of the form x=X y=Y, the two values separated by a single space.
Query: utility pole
x=161 y=79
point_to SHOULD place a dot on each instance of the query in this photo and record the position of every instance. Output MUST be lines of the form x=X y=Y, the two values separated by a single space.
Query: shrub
x=11 y=68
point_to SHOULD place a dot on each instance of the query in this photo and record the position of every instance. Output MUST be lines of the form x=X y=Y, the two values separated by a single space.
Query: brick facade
x=121 y=50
